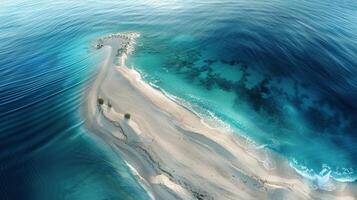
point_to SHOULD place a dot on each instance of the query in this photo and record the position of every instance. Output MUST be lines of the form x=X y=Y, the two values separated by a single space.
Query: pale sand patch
x=174 y=153
x=164 y=180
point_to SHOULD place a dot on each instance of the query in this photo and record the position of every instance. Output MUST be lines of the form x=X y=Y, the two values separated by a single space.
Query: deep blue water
x=282 y=73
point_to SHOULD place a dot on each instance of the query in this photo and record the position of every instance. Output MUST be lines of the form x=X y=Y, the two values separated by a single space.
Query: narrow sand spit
x=174 y=154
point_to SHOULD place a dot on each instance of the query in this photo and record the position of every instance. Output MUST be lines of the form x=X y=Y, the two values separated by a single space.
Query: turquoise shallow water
x=280 y=73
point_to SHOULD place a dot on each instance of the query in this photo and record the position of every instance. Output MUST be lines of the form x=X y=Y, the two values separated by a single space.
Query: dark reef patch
x=267 y=96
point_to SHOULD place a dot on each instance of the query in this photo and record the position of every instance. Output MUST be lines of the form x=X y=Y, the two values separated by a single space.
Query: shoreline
x=176 y=155
x=302 y=170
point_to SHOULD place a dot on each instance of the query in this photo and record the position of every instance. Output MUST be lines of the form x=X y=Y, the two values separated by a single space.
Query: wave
x=326 y=177
x=207 y=117
x=143 y=182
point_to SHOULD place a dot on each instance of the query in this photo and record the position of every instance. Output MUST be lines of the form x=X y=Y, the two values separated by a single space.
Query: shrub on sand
x=127 y=116
x=98 y=46
x=100 y=101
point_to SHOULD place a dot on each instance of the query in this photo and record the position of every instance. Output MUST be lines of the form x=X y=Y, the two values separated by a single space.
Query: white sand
x=175 y=155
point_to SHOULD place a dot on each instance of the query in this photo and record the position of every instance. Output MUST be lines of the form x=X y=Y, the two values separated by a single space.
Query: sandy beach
x=175 y=155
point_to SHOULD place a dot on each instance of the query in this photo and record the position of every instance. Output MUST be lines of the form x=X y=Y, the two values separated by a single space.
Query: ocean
x=282 y=74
